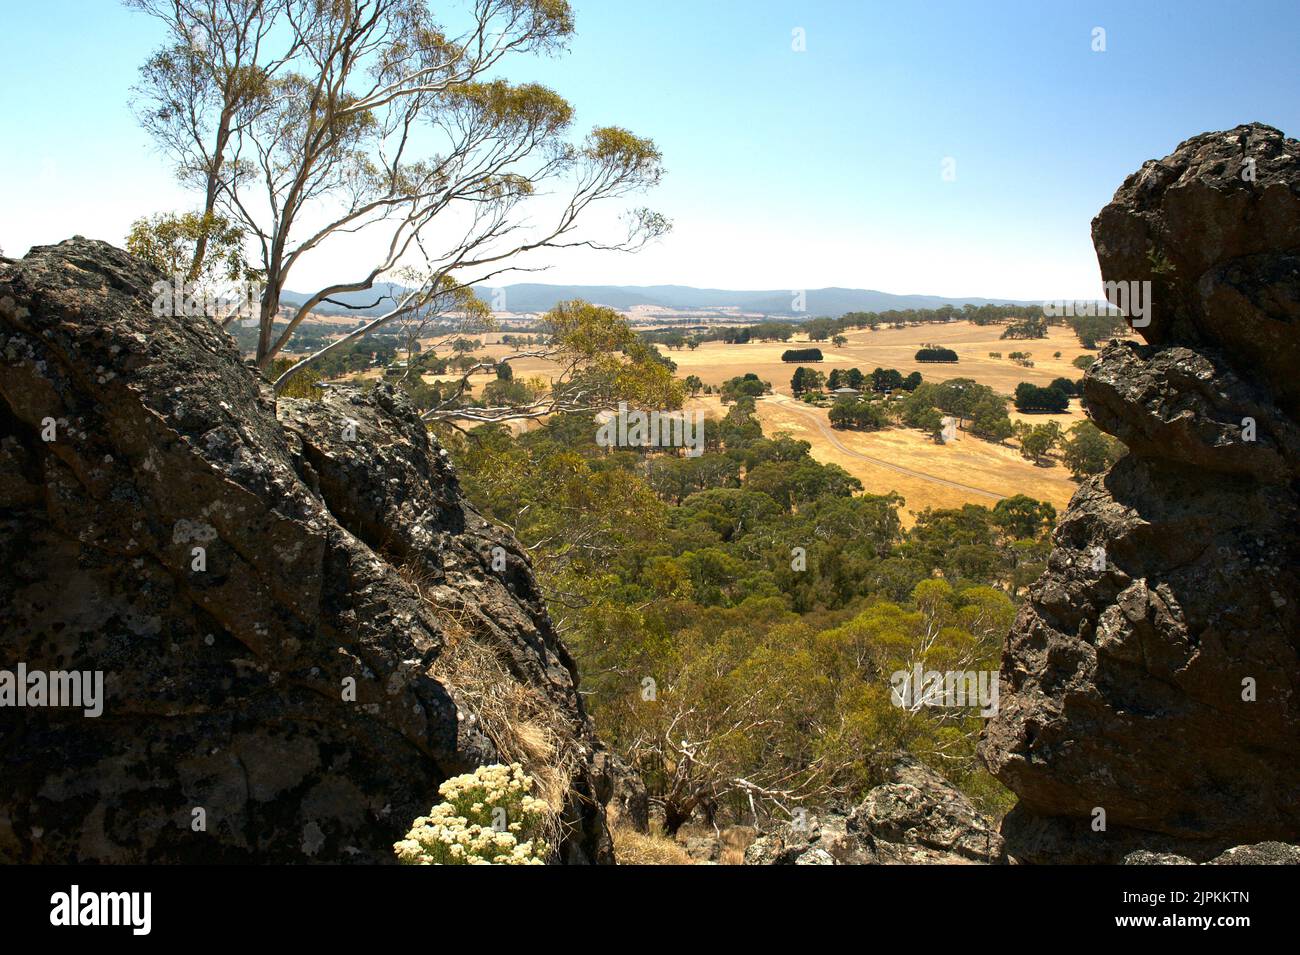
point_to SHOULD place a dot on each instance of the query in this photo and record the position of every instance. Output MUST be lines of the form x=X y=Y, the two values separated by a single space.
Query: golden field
x=926 y=474
x=967 y=470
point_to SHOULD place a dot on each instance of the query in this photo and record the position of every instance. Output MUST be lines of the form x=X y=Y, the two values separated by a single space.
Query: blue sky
x=786 y=169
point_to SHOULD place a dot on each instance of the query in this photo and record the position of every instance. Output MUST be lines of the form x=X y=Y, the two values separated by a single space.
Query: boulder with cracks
x=301 y=625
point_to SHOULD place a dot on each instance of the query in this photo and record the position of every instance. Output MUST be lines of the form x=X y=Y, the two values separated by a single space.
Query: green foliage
x=887 y=379
x=169 y=242
x=858 y=413
x=737 y=616
x=807 y=379
x=1031 y=398
x=1038 y=441
x=1034 y=326
x=989 y=419
x=748 y=385
x=306 y=385
x=1092 y=329
x=1089 y=450
x=1068 y=387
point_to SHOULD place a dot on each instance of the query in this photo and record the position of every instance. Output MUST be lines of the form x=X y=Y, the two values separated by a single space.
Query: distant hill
x=536 y=297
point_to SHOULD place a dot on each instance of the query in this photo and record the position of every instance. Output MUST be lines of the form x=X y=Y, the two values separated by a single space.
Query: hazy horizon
x=804 y=147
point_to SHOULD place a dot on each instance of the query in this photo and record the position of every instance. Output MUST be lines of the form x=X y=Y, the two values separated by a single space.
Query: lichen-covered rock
x=816 y=839
x=1151 y=683
x=269 y=599
x=916 y=818
x=1264 y=853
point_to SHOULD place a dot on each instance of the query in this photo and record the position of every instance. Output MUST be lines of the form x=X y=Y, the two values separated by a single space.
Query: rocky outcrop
x=1265 y=853
x=916 y=818
x=1151 y=684
x=297 y=617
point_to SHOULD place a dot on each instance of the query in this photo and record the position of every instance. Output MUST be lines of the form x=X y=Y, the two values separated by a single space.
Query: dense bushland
x=737 y=616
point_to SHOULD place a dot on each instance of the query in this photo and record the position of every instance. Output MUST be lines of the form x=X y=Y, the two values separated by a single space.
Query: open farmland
x=965 y=471
x=926 y=474
x=715 y=362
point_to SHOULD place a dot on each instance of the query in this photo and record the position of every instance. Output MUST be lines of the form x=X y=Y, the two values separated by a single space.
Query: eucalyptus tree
x=368 y=128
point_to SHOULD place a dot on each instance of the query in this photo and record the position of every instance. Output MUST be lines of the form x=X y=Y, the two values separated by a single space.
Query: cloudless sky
x=786 y=169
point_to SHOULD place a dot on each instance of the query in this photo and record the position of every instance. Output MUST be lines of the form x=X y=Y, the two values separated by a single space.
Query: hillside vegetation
x=736 y=616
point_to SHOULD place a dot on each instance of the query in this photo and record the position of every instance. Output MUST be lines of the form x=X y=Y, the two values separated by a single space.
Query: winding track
x=830 y=436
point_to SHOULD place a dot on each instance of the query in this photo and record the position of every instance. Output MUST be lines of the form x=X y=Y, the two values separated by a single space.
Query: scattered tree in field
x=802 y=354
x=1093 y=329
x=748 y=385
x=807 y=379
x=1031 y=327
x=1031 y=399
x=989 y=419
x=846 y=378
x=886 y=379
x=1084 y=362
x=936 y=353
x=820 y=329
x=601 y=362
x=1037 y=441
x=1089 y=450
x=858 y=413
x=1067 y=387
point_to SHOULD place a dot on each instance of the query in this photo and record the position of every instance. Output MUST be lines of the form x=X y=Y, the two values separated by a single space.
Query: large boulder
x=296 y=613
x=915 y=818
x=1151 y=683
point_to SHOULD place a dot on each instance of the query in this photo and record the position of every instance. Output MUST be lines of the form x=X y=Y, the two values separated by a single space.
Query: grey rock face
x=917 y=818
x=1161 y=683
x=336 y=548
x=1265 y=853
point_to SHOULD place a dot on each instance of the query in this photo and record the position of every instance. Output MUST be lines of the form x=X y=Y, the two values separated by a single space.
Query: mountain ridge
x=539 y=297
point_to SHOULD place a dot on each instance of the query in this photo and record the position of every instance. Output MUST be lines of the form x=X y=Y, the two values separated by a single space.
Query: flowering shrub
x=487 y=817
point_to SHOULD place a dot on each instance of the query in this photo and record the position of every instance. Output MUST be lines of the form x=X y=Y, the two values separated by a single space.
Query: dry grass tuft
x=524 y=725
x=735 y=840
x=639 y=848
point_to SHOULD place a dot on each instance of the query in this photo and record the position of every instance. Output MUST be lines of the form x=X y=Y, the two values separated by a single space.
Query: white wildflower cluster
x=487 y=817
